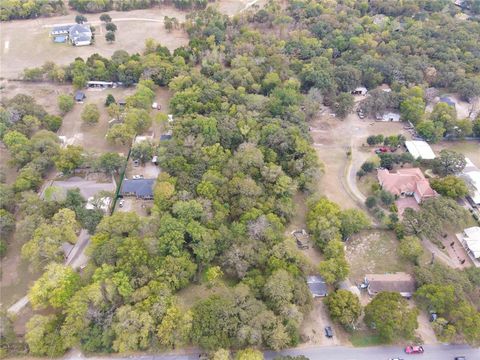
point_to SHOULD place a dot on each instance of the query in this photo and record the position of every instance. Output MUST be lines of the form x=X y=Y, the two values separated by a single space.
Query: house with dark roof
x=140 y=188
x=77 y=34
x=399 y=282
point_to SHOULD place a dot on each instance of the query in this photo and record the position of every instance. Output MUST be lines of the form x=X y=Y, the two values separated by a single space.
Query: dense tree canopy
x=242 y=92
x=388 y=313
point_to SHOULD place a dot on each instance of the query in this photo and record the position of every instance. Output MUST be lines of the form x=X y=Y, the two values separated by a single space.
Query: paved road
x=432 y=352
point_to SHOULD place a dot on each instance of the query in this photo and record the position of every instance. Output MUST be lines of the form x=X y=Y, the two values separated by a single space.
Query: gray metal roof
x=80 y=32
x=140 y=187
x=62 y=29
x=317 y=286
x=447 y=100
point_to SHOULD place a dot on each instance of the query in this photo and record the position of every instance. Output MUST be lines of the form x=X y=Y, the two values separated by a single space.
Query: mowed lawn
x=470 y=149
x=373 y=251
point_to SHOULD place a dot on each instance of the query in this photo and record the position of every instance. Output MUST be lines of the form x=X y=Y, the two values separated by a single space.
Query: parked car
x=137 y=177
x=460 y=358
x=156 y=106
x=414 y=349
x=120 y=204
x=328 y=332
x=395 y=359
x=381 y=150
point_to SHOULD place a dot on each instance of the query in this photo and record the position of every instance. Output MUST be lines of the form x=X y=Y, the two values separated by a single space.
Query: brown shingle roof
x=397 y=282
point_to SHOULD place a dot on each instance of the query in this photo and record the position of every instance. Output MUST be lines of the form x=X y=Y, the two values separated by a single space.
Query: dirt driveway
x=332 y=138
x=312 y=329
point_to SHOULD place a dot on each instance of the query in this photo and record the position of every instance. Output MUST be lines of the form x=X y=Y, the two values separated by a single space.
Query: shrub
x=371 y=202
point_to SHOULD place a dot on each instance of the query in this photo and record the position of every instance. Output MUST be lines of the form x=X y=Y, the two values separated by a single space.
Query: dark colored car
x=414 y=349
x=460 y=358
x=328 y=332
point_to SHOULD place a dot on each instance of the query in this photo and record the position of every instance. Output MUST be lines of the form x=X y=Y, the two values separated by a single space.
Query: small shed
x=80 y=96
x=390 y=116
x=317 y=286
x=447 y=100
x=361 y=90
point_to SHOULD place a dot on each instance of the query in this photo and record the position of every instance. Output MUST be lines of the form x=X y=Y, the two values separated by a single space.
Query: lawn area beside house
x=365 y=183
x=373 y=251
x=470 y=149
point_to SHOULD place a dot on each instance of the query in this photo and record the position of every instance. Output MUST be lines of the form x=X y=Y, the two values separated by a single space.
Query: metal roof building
x=141 y=188
x=420 y=149
x=317 y=286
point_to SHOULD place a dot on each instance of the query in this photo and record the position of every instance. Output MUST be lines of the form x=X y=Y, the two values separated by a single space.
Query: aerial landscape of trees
x=242 y=92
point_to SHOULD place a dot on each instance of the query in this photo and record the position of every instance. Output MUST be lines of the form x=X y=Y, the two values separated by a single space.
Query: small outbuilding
x=447 y=100
x=80 y=96
x=166 y=136
x=420 y=149
x=390 y=116
x=361 y=90
x=317 y=285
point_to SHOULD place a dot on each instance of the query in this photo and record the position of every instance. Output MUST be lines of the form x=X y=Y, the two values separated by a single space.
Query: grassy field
x=365 y=183
x=364 y=338
x=134 y=27
x=373 y=251
x=470 y=149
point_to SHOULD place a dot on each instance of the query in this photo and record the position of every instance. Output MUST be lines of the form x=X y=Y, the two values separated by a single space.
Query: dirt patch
x=92 y=137
x=138 y=206
x=193 y=293
x=333 y=138
x=16 y=278
x=425 y=331
x=312 y=330
x=373 y=251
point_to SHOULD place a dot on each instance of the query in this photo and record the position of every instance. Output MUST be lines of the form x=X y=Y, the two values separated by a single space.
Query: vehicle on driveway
x=381 y=150
x=460 y=358
x=414 y=349
x=328 y=332
x=120 y=204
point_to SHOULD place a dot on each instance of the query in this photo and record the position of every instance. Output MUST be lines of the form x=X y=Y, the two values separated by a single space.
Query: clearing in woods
x=35 y=47
x=332 y=138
